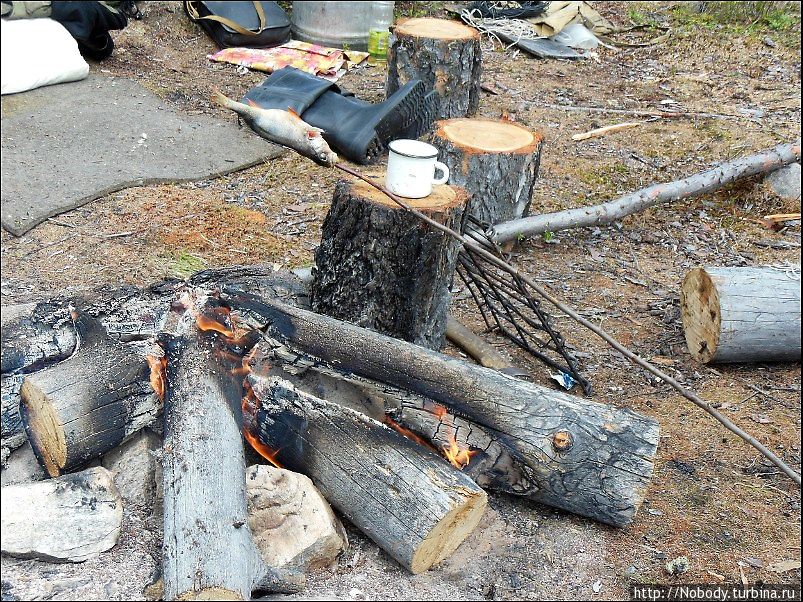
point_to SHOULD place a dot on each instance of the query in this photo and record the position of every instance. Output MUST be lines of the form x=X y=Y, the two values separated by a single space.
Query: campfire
x=398 y=438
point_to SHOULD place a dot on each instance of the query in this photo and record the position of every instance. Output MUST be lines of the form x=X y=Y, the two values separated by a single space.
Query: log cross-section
x=495 y=161
x=79 y=409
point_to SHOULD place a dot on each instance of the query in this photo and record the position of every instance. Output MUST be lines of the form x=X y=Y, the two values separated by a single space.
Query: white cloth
x=38 y=52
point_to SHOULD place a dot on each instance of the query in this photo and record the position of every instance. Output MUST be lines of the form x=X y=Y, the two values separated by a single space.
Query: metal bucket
x=336 y=24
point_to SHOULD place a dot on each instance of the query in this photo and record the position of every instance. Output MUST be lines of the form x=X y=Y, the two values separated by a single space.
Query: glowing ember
x=158 y=366
x=407 y=432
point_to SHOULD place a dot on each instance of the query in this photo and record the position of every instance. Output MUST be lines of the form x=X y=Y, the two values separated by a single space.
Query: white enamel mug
x=411 y=169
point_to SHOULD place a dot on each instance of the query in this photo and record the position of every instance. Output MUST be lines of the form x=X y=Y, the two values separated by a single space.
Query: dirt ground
x=712 y=498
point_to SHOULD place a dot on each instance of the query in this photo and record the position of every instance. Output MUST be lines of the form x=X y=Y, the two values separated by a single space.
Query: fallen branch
x=482 y=352
x=604 y=131
x=606 y=213
x=640 y=112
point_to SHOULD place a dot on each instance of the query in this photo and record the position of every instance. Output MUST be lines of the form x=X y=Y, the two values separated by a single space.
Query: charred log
x=404 y=497
x=585 y=457
x=88 y=404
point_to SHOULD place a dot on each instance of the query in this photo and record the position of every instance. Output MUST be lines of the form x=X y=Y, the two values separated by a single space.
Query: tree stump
x=381 y=268
x=445 y=55
x=496 y=161
x=742 y=314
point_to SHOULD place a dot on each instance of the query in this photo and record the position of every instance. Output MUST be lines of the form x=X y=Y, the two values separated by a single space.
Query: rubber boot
x=357 y=129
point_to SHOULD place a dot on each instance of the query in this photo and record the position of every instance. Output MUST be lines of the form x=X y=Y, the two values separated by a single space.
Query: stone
x=71 y=518
x=136 y=469
x=21 y=466
x=785 y=182
x=292 y=524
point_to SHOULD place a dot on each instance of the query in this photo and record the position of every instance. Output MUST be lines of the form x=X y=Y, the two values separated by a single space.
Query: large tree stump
x=742 y=314
x=381 y=268
x=85 y=406
x=404 y=497
x=496 y=161
x=445 y=55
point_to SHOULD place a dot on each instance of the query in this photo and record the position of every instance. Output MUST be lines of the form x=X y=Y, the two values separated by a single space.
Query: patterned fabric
x=328 y=63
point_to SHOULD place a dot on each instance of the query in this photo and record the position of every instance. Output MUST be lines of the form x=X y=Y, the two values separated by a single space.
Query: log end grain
x=211 y=593
x=489 y=136
x=701 y=315
x=45 y=430
x=442 y=200
x=450 y=531
x=438 y=29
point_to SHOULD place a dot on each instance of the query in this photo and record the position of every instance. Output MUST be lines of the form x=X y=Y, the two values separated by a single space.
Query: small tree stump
x=445 y=55
x=381 y=268
x=496 y=161
x=742 y=314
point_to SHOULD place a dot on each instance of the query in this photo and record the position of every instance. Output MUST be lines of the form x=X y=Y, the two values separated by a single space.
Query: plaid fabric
x=328 y=63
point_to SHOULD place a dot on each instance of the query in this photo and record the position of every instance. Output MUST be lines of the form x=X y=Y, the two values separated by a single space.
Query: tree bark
x=88 y=404
x=12 y=433
x=379 y=267
x=445 y=55
x=495 y=161
x=404 y=497
x=742 y=314
x=589 y=458
x=701 y=183
x=209 y=552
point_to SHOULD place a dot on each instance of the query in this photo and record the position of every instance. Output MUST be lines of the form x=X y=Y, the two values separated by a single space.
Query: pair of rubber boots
x=354 y=128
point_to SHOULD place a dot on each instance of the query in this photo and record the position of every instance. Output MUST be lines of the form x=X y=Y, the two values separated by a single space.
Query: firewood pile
x=401 y=440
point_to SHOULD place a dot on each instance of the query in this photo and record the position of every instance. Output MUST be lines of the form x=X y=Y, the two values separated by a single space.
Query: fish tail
x=222 y=99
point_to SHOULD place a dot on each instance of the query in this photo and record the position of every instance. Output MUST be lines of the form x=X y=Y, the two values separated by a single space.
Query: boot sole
x=408 y=109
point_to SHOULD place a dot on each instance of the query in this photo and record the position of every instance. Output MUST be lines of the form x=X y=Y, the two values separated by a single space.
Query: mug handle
x=445 y=170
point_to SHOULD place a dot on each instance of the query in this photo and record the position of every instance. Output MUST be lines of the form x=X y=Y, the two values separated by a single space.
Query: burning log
x=446 y=55
x=404 y=497
x=496 y=161
x=209 y=552
x=742 y=314
x=85 y=406
x=585 y=457
x=379 y=267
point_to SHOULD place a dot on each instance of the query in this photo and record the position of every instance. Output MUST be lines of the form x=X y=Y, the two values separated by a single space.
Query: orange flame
x=205 y=322
x=459 y=457
x=262 y=449
x=158 y=366
x=407 y=432
x=249 y=406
